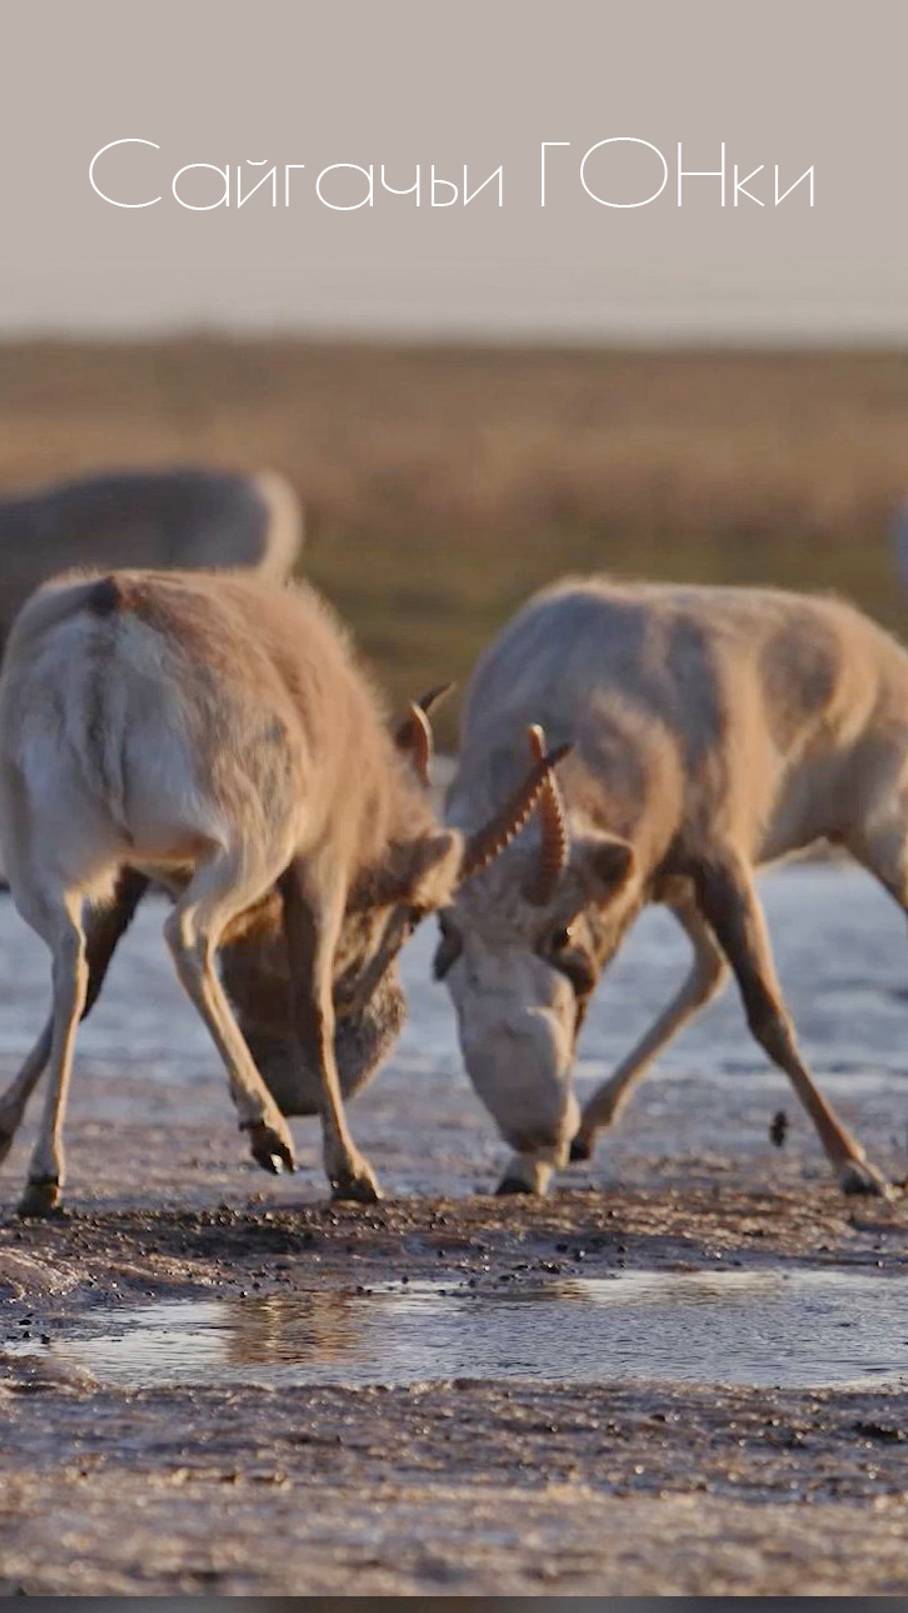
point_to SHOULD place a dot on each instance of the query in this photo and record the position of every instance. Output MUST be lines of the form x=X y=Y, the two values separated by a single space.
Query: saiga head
x=423 y=870
x=521 y=952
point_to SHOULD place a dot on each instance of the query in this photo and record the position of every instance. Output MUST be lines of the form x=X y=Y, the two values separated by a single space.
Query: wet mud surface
x=743 y=1326
x=426 y=1479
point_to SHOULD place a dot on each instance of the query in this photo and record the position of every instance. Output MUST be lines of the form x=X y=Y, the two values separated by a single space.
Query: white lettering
x=620 y=140
x=409 y=190
x=366 y=200
x=436 y=185
x=701 y=173
x=544 y=146
x=103 y=194
x=468 y=194
x=739 y=187
x=242 y=199
x=807 y=174
x=203 y=207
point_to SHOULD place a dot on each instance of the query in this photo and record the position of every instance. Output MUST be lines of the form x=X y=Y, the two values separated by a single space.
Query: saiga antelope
x=714 y=730
x=216 y=733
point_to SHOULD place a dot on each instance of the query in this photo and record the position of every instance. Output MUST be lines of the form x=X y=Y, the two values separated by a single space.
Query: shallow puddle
x=788 y=1329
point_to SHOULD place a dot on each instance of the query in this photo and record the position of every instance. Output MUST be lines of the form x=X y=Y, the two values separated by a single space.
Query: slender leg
x=708 y=973
x=103 y=930
x=216 y=892
x=15 y=1099
x=312 y=924
x=730 y=904
x=70 y=983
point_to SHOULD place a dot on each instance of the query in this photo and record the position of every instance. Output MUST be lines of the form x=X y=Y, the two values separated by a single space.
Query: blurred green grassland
x=443 y=484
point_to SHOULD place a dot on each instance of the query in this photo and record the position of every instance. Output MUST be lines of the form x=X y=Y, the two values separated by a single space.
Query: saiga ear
x=605 y=863
x=434 y=869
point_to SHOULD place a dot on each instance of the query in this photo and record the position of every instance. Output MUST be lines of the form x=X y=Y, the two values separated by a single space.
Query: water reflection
x=769 y=1327
x=315 y=1326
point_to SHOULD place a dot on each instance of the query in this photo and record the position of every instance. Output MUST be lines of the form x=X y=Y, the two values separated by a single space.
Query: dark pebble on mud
x=778 y=1129
x=881 y=1431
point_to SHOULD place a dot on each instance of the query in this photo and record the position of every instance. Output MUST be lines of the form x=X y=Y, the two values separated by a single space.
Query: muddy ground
x=449 y=1486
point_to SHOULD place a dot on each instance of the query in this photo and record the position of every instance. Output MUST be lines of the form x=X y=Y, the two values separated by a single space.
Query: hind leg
x=221 y=888
x=104 y=928
x=14 y=1100
x=60 y=922
x=730 y=905
x=881 y=846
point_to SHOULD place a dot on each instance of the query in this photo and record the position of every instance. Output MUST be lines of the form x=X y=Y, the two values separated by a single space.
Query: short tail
x=56 y=601
x=285 y=529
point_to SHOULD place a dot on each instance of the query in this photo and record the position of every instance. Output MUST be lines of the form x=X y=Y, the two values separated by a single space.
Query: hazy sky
x=483 y=82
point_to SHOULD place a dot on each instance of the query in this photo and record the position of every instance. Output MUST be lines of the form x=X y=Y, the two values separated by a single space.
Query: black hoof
x=269 y=1150
x=580 y=1149
x=860 y=1178
x=510 y=1185
x=41 y=1201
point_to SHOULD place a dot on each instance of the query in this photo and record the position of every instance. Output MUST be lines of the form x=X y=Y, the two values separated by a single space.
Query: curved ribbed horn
x=485 y=845
x=434 y=696
x=415 y=737
x=555 y=846
x=414 y=734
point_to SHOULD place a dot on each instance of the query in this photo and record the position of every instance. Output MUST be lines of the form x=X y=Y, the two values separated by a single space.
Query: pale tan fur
x=216 y=733
x=715 y=730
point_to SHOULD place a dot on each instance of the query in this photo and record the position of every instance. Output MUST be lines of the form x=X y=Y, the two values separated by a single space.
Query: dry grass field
x=443 y=484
